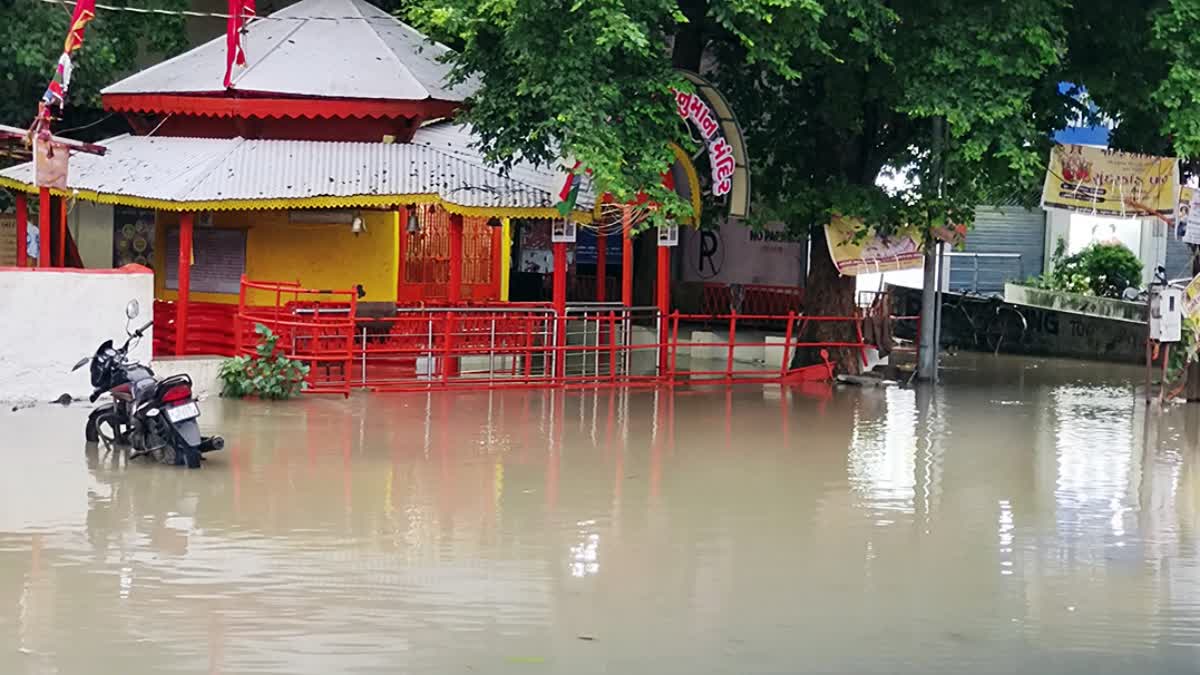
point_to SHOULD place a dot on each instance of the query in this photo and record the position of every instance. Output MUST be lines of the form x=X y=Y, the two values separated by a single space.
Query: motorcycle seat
x=144 y=389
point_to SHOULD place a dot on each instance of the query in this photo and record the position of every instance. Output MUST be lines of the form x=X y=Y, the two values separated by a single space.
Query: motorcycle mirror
x=81 y=363
x=132 y=309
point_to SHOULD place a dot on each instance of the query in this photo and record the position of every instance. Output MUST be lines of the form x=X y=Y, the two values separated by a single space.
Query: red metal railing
x=210 y=328
x=315 y=327
x=422 y=348
x=444 y=349
x=775 y=369
x=751 y=299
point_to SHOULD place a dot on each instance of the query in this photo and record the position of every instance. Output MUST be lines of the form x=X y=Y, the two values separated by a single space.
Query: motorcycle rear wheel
x=105 y=428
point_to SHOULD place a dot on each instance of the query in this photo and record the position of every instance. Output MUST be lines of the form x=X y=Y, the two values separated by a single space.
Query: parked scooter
x=154 y=417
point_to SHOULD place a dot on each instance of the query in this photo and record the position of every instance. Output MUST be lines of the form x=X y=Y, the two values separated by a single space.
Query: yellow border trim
x=693 y=181
x=396 y=253
x=364 y=201
x=505 y=257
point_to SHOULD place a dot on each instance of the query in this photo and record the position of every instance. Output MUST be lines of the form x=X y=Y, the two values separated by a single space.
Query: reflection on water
x=1027 y=516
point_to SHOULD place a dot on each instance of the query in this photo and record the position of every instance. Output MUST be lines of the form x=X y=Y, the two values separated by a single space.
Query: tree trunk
x=828 y=293
x=687 y=51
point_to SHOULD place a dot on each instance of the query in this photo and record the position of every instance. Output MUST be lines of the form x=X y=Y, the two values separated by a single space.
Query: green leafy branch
x=267 y=374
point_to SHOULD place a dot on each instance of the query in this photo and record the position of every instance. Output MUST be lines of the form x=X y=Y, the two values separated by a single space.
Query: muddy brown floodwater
x=1028 y=516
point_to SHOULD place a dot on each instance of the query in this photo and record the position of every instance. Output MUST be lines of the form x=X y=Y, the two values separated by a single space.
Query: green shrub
x=266 y=374
x=1103 y=270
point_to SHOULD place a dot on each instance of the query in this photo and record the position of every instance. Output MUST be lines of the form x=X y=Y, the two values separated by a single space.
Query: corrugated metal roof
x=219 y=170
x=328 y=48
x=459 y=140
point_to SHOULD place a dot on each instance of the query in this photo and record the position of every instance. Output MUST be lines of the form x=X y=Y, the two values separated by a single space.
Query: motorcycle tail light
x=177 y=393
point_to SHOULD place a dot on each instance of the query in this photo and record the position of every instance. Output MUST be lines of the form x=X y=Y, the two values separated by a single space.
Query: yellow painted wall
x=318 y=256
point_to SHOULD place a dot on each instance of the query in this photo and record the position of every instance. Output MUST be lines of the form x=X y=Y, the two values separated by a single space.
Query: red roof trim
x=276 y=107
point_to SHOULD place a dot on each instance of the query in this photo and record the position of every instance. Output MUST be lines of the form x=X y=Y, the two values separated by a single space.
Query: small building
x=332 y=162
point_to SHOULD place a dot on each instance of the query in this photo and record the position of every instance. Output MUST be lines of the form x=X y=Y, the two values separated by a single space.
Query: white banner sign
x=1191 y=235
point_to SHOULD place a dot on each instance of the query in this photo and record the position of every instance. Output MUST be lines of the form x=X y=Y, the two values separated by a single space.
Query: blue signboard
x=585 y=248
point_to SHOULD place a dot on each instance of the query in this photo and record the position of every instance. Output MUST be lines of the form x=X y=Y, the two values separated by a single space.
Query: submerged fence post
x=787 y=343
x=927 y=356
x=612 y=347
x=674 y=345
x=492 y=352
x=732 y=347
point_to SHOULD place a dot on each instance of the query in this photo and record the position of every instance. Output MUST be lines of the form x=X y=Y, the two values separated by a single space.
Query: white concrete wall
x=54 y=318
x=203 y=370
x=743 y=256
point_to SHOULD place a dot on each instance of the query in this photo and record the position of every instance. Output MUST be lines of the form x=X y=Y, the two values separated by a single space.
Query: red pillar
x=402 y=215
x=62 y=232
x=663 y=287
x=44 y=227
x=601 y=265
x=185 y=282
x=663 y=290
x=626 y=257
x=22 y=227
x=560 y=306
x=454 y=292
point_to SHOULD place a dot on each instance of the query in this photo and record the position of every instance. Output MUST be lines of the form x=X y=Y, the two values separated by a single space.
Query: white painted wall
x=1146 y=237
x=54 y=318
x=202 y=369
x=743 y=256
x=914 y=278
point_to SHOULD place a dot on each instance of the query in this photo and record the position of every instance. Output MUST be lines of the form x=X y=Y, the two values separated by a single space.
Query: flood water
x=1028 y=516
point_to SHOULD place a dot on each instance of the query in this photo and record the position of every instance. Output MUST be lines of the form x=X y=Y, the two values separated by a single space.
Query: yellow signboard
x=853 y=255
x=1191 y=298
x=1100 y=181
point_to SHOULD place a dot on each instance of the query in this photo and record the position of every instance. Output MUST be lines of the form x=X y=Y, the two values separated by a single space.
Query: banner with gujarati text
x=1191 y=298
x=874 y=253
x=1100 y=181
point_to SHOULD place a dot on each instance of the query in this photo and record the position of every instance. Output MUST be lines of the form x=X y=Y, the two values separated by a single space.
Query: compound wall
x=53 y=318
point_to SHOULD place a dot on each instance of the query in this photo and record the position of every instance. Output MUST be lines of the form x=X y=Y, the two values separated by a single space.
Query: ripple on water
x=1035 y=526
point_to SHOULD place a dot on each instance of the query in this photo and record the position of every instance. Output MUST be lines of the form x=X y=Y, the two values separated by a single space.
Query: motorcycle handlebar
x=137 y=333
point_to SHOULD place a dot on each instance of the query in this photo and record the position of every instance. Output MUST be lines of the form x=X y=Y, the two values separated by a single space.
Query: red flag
x=240 y=11
x=85 y=11
x=56 y=92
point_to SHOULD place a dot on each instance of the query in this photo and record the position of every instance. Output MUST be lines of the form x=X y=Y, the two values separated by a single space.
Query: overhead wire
x=212 y=15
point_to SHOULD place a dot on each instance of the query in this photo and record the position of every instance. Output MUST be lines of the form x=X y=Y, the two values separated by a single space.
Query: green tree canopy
x=116 y=44
x=957 y=99
x=960 y=96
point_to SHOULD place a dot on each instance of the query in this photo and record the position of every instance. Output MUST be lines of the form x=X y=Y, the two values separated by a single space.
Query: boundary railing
x=509 y=346
x=751 y=299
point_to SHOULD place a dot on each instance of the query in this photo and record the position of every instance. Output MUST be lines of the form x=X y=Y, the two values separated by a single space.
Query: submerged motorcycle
x=155 y=417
